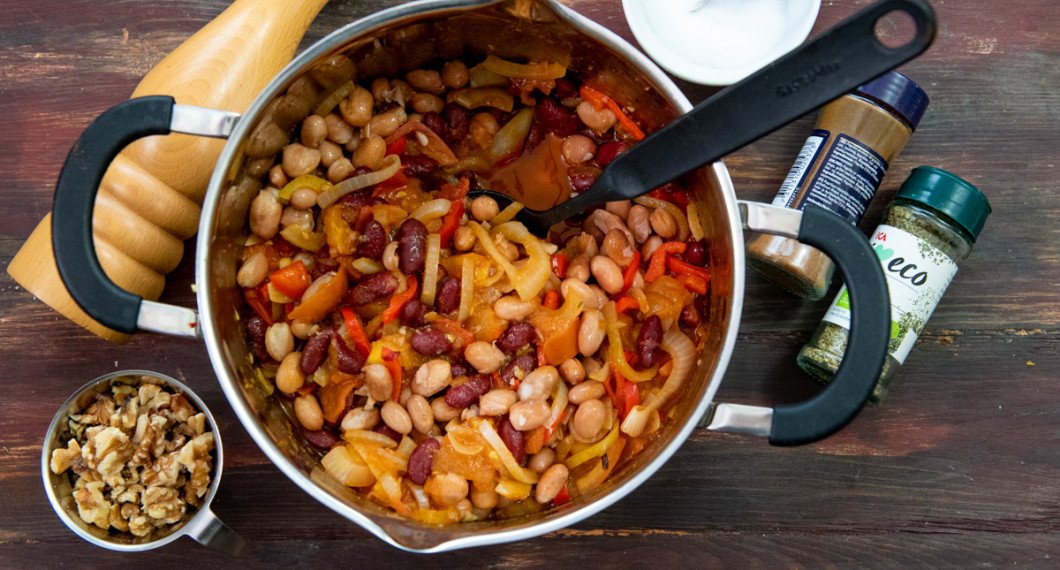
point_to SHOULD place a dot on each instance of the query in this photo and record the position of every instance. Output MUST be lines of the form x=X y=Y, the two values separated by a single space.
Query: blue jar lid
x=898 y=94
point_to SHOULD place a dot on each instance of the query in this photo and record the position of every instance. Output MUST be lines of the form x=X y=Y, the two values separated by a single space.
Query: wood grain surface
x=960 y=466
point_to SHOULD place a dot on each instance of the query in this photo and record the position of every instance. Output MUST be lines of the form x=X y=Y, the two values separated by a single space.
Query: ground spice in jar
x=927 y=229
x=839 y=168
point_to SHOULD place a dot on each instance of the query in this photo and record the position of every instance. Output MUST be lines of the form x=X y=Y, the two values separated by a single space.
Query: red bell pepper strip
x=291 y=280
x=693 y=283
x=625 y=394
x=258 y=299
x=398 y=146
x=551 y=300
x=559 y=265
x=398 y=180
x=393 y=366
x=451 y=222
x=353 y=324
x=683 y=268
x=454 y=193
x=625 y=303
x=599 y=100
x=400 y=299
x=449 y=326
x=562 y=498
x=541 y=360
x=657 y=266
x=630 y=274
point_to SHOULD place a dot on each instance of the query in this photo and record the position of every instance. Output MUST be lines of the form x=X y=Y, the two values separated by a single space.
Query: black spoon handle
x=831 y=65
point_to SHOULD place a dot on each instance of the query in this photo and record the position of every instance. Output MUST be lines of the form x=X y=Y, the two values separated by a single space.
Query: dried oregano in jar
x=928 y=229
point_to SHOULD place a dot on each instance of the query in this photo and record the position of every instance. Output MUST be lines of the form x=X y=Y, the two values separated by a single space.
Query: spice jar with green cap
x=927 y=230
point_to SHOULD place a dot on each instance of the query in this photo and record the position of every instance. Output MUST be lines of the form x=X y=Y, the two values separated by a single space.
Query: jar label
x=807 y=156
x=917 y=275
x=845 y=181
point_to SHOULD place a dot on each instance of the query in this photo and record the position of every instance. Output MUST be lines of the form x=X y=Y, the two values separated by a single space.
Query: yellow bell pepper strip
x=323 y=301
x=602 y=470
x=291 y=280
x=314 y=183
x=595 y=450
x=360 y=339
x=616 y=355
x=532 y=70
x=399 y=300
x=599 y=100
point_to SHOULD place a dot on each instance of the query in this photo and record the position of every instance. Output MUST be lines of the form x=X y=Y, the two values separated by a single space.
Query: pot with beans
x=402 y=346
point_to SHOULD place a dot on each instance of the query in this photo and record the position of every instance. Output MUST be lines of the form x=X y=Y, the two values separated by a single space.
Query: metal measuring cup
x=202 y=525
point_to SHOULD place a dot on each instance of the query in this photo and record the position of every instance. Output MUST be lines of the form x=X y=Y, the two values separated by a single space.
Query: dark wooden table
x=959 y=468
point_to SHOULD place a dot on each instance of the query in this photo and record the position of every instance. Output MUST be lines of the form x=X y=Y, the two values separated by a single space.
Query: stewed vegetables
x=449 y=364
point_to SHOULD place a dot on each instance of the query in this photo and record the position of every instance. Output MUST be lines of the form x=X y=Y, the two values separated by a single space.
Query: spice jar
x=839 y=168
x=927 y=229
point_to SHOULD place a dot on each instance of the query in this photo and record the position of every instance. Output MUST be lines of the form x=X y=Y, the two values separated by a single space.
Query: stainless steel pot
x=389 y=43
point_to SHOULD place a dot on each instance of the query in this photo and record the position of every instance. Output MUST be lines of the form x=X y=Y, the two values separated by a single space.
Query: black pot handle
x=843 y=398
x=75 y=197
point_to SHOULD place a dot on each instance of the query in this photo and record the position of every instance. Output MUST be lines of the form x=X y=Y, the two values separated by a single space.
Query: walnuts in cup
x=141 y=459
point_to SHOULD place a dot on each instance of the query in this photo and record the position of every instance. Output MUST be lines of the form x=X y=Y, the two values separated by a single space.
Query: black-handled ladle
x=834 y=63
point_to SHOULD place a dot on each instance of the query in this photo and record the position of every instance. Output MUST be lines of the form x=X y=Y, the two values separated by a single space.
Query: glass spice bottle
x=928 y=228
x=840 y=168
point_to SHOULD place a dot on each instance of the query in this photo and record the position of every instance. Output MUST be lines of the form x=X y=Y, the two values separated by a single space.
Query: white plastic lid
x=719 y=42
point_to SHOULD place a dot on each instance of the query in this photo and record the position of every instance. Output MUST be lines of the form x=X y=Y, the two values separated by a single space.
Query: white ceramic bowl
x=719 y=42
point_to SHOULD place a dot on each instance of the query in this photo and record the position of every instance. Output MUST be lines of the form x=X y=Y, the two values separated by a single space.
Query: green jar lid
x=949 y=194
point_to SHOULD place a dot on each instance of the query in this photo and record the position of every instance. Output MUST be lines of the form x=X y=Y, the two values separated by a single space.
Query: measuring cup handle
x=211 y=531
x=843 y=398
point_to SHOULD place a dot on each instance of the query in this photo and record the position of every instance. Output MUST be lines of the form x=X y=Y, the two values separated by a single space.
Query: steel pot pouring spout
x=390 y=43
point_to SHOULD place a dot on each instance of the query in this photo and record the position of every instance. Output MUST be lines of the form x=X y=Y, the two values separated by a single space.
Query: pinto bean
x=484 y=356
x=542 y=460
x=279 y=341
x=588 y=390
x=538 y=384
x=589 y=419
x=430 y=342
x=607 y=273
x=377 y=379
x=529 y=414
x=516 y=336
x=360 y=418
x=431 y=378
x=373 y=288
x=551 y=483
x=496 y=402
x=420 y=413
x=307 y=410
x=591 y=332
x=396 y=417
x=289 y=377
x=648 y=340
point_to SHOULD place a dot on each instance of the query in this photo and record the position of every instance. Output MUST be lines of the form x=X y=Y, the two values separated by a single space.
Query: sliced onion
x=367 y=266
x=303 y=238
x=532 y=70
x=467 y=288
x=464 y=440
x=683 y=354
x=695 y=225
x=432 y=210
x=430 y=269
x=433 y=145
x=514 y=490
x=520 y=474
x=391 y=166
x=532 y=278
x=636 y=420
x=479 y=76
x=483 y=238
x=678 y=215
x=406 y=446
x=348 y=468
x=366 y=436
x=507 y=214
x=511 y=136
x=328 y=104
x=559 y=403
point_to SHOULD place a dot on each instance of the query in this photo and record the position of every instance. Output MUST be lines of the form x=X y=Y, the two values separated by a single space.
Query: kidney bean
x=373 y=288
x=648 y=340
x=435 y=122
x=355 y=199
x=463 y=395
x=422 y=459
x=384 y=429
x=516 y=336
x=374 y=241
x=559 y=120
x=414 y=314
x=323 y=439
x=690 y=317
x=315 y=351
x=696 y=253
x=412 y=245
x=430 y=342
x=350 y=361
x=448 y=298
x=525 y=363
x=418 y=164
x=537 y=134
x=257 y=327
x=609 y=151
x=565 y=88
x=458 y=369
x=459 y=119
x=580 y=182
x=513 y=439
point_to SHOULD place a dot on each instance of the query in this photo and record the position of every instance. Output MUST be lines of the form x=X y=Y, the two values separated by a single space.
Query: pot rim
x=230 y=383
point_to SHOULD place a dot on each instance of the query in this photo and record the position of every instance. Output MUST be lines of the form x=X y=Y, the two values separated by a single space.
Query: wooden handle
x=149 y=200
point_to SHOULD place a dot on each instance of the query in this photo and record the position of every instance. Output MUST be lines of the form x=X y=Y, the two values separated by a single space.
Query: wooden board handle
x=149 y=200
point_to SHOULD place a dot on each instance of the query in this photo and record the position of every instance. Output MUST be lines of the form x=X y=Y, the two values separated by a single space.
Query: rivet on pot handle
x=843 y=398
x=75 y=196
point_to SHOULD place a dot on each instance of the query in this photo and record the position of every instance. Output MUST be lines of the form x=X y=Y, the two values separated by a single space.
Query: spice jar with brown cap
x=839 y=168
